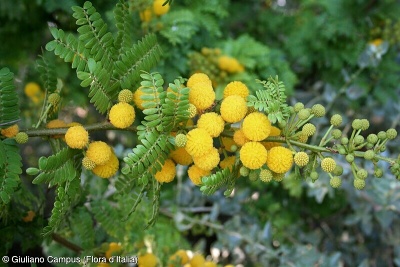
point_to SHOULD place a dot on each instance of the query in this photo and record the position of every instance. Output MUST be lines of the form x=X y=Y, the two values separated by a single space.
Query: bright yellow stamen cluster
x=239 y=138
x=199 y=142
x=197 y=260
x=108 y=169
x=202 y=95
x=233 y=108
x=229 y=64
x=256 y=126
x=195 y=174
x=159 y=9
x=147 y=260
x=301 y=159
x=10 y=131
x=122 y=115
x=328 y=164
x=253 y=155
x=227 y=162
x=208 y=161
x=198 y=78
x=236 y=88
x=212 y=123
x=77 y=137
x=274 y=132
x=280 y=159
x=181 y=156
x=99 y=152
x=167 y=173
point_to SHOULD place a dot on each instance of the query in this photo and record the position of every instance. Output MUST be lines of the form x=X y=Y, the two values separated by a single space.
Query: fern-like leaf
x=124 y=24
x=272 y=100
x=141 y=57
x=108 y=217
x=179 y=26
x=175 y=108
x=93 y=33
x=69 y=48
x=9 y=109
x=215 y=181
x=10 y=169
x=101 y=92
x=58 y=168
x=82 y=226
x=47 y=70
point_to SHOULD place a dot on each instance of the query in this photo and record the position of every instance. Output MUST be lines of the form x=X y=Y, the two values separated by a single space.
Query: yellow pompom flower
x=328 y=164
x=137 y=98
x=159 y=9
x=227 y=162
x=181 y=156
x=210 y=264
x=182 y=255
x=77 y=137
x=54 y=124
x=274 y=132
x=233 y=108
x=256 y=126
x=197 y=260
x=33 y=91
x=167 y=173
x=239 y=138
x=108 y=169
x=122 y=115
x=212 y=123
x=99 y=152
x=229 y=64
x=146 y=15
x=147 y=260
x=195 y=174
x=208 y=161
x=236 y=88
x=228 y=142
x=199 y=142
x=280 y=159
x=198 y=78
x=113 y=249
x=202 y=95
x=10 y=131
x=253 y=155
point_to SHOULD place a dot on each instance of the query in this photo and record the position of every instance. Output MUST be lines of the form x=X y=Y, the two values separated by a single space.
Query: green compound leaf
x=175 y=108
x=10 y=169
x=145 y=160
x=82 y=226
x=58 y=168
x=213 y=182
x=9 y=109
x=271 y=100
x=141 y=57
x=108 y=217
x=125 y=26
x=47 y=70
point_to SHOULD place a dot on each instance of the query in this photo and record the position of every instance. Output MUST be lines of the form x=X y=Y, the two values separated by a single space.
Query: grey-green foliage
x=10 y=169
x=106 y=63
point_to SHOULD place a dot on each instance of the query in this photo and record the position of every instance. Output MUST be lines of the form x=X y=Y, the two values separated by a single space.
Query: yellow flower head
x=239 y=138
x=181 y=156
x=198 y=78
x=77 y=137
x=202 y=95
x=210 y=264
x=33 y=91
x=328 y=164
x=236 y=88
x=228 y=142
x=10 y=131
x=88 y=163
x=227 y=162
x=229 y=64
x=197 y=260
x=182 y=255
x=280 y=159
x=147 y=260
x=253 y=155
x=195 y=174
x=53 y=124
x=158 y=7
x=256 y=126
x=233 y=108
x=167 y=173
x=122 y=115
x=108 y=169
x=146 y=15
x=212 y=123
x=199 y=142
x=113 y=249
x=137 y=98
x=208 y=161
x=274 y=132
x=99 y=152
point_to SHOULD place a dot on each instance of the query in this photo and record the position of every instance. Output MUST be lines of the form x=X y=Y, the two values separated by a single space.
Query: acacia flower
x=108 y=169
x=280 y=159
x=195 y=174
x=233 y=108
x=253 y=155
x=77 y=137
x=122 y=115
x=167 y=173
x=256 y=126
x=199 y=142
x=99 y=152
x=212 y=123
x=236 y=88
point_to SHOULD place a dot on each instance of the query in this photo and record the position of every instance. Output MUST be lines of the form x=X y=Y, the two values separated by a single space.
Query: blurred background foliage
x=343 y=54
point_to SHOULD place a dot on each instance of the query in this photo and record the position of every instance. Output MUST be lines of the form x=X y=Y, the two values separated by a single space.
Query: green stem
x=326 y=134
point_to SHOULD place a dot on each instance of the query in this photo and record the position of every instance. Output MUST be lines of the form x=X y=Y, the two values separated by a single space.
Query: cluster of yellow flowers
x=34 y=92
x=230 y=64
x=156 y=9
